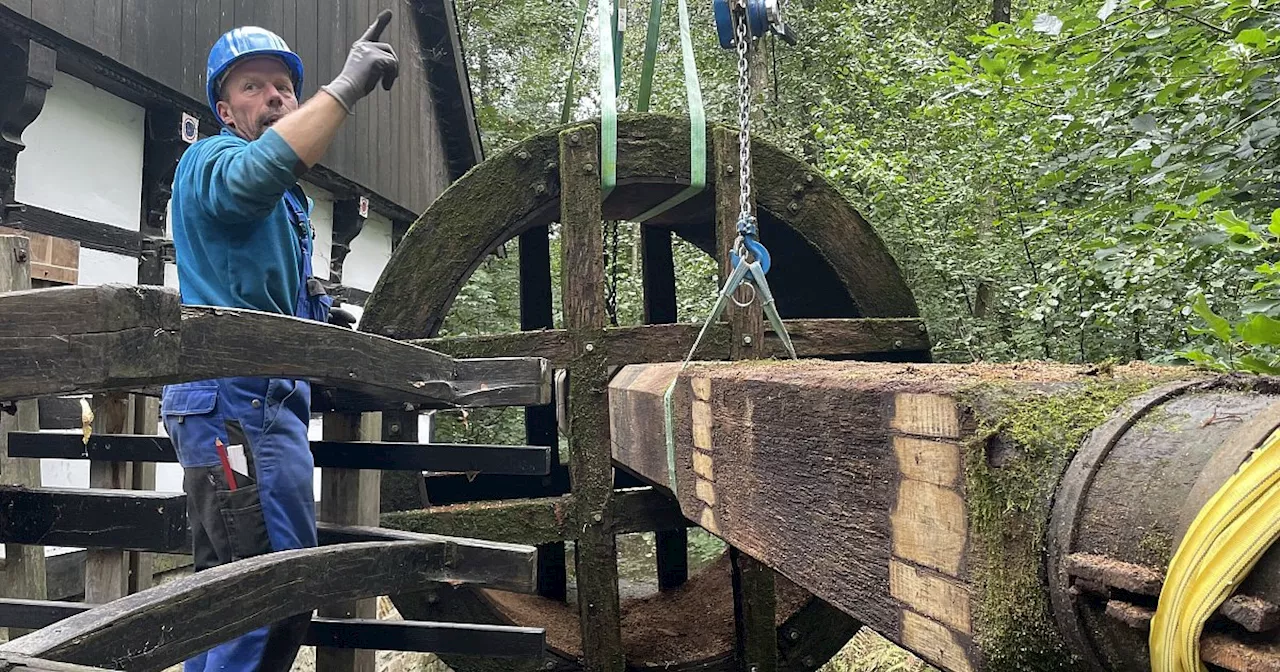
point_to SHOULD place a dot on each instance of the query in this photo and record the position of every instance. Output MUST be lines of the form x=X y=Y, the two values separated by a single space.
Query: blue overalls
x=249 y=472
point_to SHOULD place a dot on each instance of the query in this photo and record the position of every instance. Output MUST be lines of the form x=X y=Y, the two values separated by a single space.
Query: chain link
x=744 y=120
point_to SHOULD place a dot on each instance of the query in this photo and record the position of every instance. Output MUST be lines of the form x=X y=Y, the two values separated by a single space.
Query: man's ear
x=224 y=113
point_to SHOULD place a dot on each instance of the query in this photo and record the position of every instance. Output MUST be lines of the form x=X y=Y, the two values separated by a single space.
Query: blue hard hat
x=239 y=43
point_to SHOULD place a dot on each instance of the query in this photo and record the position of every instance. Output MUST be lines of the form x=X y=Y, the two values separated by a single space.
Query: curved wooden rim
x=163 y=626
x=519 y=189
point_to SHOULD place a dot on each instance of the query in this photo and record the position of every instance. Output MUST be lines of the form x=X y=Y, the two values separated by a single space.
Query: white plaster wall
x=322 y=222
x=84 y=155
x=370 y=252
x=100 y=268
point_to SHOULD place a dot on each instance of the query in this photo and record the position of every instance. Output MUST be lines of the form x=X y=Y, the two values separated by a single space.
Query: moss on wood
x=1024 y=438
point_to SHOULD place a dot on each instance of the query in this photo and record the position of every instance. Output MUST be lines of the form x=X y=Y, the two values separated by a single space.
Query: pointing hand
x=368 y=62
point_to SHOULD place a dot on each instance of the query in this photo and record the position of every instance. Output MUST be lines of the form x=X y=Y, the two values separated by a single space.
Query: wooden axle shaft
x=923 y=500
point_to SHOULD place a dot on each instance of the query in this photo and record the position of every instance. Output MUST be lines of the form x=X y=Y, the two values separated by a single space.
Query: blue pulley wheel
x=763 y=16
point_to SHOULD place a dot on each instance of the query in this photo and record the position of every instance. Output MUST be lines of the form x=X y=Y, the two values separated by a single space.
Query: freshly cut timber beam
x=136 y=520
x=671 y=342
x=69 y=340
x=924 y=499
x=340 y=633
x=157 y=628
x=436 y=457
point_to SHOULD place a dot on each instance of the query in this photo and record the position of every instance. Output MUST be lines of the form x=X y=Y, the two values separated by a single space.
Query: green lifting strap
x=693 y=93
x=608 y=102
x=567 y=107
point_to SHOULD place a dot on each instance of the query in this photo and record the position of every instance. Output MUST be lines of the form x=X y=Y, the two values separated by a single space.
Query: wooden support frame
x=349 y=497
x=271 y=587
x=495 y=641
x=590 y=468
x=96 y=518
x=754 y=593
x=24 y=573
x=94 y=338
x=380 y=455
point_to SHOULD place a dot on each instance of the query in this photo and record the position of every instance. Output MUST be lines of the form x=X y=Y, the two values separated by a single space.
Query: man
x=242 y=237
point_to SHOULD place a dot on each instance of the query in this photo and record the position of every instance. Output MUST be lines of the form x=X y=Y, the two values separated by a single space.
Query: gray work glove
x=368 y=62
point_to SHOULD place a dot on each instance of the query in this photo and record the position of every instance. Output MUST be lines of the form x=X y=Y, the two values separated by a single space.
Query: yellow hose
x=1226 y=539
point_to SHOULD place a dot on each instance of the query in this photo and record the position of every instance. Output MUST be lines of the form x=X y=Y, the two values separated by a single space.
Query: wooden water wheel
x=835 y=283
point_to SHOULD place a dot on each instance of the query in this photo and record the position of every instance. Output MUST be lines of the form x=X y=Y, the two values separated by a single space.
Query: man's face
x=257 y=93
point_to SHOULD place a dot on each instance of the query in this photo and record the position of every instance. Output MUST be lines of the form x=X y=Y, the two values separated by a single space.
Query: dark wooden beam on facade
x=27 y=75
x=93 y=235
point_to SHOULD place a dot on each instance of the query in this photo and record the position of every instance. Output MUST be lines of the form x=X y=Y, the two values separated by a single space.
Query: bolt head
x=793 y=206
x=589 y=168
x=597 y=517
x=20 y=254
x=793 y=635
x=522 y=155
x=591 y=347
x=808 y=178
x=807 y=661
x=746 y=340
x=575 y=139
x=395 y=428
x=549 y=665
x=539 y=188
x=897 y=344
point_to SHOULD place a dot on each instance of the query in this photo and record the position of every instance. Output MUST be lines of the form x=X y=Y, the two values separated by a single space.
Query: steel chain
x=744 y=120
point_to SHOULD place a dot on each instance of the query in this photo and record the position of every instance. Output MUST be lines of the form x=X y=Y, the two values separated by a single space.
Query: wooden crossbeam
x=78 y=339
x=423 y=636
x=541 y=520
x=671 y=342
x=136 y=520
x=157 y=628
x=436 y=457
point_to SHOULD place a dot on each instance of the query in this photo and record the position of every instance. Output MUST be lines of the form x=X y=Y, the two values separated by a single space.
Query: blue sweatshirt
x=234 y=242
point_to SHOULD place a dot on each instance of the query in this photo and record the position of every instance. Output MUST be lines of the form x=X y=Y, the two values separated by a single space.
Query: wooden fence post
x=349 y=497
x=106 y=571
x=146 y=420
x=24 y=568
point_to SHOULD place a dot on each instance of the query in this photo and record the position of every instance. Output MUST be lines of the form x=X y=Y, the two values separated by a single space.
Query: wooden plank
x=349 y=497
x=671 y=342
x=139 y=632
x=658 y=279
x=540 y=520
x=537 y=311
x=754 y=593
x=78 y=339
x=24 y=566
x=106 y=30
x=582 y=296
x=436 y=457
x=106 y=571
x=372 y=635
x=95 y=518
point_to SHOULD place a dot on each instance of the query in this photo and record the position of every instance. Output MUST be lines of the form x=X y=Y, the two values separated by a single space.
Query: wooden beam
x=28 y=76
x=543 y=520
x=142 y=476
x=349 y=497
x=671 y=342
x=95 y=518
x=157 y=628
x=382 y=455
x=658 y=276
x=582 y=296
x=90 y=338
x=754 y=594
x=106 y=571
x=93 y=235
x=373 y=635
x=401 y=490
x=537 y=312
x=24 y=566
